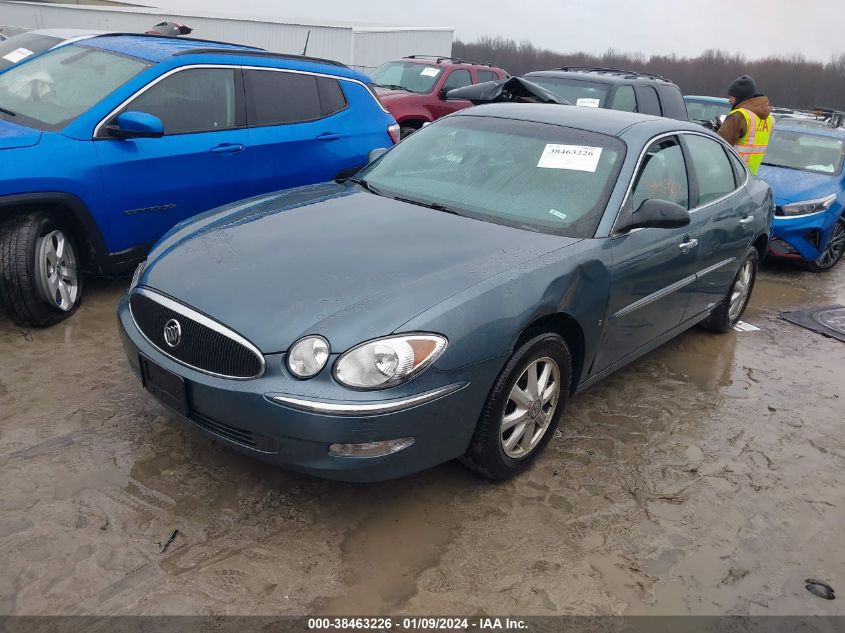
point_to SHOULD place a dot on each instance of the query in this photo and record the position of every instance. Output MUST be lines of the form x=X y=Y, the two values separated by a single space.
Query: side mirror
x=657 y=214
x=442 y=94
x=137 y=125
x=375 y=154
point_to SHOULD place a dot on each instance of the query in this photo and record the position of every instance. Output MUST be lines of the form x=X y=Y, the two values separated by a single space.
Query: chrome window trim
x=667 y=290
x=652 y=141
x=200 y=318
x=173 y=71
x=365 y=408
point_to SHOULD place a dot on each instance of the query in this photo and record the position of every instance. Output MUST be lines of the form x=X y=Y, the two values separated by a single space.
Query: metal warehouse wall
x=360 y=47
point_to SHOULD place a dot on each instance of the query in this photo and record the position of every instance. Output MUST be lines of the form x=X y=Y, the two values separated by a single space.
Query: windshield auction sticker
x=430 y=72
x=18 y=54
x=588 y=103
x=574 y=157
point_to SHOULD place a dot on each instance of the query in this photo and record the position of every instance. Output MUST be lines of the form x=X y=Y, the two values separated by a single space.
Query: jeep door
x=150 y=184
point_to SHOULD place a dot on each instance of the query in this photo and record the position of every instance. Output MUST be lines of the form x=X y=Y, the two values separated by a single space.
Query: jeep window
x=712 y=168
x=53 y=89
x=529 y=175
x=807 y=152
x=574 y=89
x=649 y=102
x=458 y=79
x=486 y=75
x=706 y=110
x=410 y=76
x=624 y=99
x=21 y=46
x=196 y=100
x=277 y=98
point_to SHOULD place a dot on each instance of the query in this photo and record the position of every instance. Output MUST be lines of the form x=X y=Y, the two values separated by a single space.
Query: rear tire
x=833 y=251
x=40 y=277
x=523 y=410
x=728 y=313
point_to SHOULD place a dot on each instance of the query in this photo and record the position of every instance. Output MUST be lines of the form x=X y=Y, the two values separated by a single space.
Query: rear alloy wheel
x=523 y=409
x=833 y=251
x=40 y=278
x=728 y=313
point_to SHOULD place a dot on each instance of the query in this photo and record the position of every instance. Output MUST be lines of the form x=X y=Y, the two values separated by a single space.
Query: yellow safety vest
x=752 y=146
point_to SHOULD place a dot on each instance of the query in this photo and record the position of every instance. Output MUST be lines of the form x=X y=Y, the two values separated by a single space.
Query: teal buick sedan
x=447 y=301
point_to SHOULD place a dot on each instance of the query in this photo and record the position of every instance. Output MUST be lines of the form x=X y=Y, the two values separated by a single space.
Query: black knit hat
x=742 y=88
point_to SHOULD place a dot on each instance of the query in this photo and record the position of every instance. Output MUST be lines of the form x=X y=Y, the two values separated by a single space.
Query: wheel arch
x=569 y=329
x=761 y=244
x=74 y=213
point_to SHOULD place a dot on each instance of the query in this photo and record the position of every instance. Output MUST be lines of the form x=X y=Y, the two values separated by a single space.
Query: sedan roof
x=601 y=120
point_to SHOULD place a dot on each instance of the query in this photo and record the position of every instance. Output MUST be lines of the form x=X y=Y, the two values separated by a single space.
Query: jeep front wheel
x=40 y=277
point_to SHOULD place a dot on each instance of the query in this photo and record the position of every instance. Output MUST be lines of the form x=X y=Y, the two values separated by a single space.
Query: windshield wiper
x=393 y=87
x=367 y=186
x=429 y=205
x=9 y=112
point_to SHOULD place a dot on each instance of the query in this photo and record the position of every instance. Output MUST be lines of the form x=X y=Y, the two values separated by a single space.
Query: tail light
x=393 y=130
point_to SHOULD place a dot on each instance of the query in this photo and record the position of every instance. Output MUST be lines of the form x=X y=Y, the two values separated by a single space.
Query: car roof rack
x=259 y=53
x=632 y=74
x=454 y=60
x=181 y=38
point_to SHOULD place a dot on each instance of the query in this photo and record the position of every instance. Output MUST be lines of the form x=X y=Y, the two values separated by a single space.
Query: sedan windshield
x=529 y=175
x=409 y=76
x=805 y=151
x=55 y=88
x=576 y=91
x=18 y=48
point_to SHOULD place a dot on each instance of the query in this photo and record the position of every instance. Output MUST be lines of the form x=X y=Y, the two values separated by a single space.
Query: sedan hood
x=332 y=260
x=795 y=185
x=13 y=136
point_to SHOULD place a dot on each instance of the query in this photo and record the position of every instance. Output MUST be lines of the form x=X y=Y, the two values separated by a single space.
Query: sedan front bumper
x=295 y=423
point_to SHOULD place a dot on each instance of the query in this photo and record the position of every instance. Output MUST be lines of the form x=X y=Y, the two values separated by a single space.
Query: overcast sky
x=813 y=28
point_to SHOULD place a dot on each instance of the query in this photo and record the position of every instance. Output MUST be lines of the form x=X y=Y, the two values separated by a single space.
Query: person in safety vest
x=749 y=124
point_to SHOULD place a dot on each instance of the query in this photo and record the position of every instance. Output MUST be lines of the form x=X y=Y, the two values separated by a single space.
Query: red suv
x=414 y=88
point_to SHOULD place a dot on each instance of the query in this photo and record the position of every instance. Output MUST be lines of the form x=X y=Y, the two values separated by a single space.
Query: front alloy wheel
x=530 y=407
x=834 y=250
x=56 y=269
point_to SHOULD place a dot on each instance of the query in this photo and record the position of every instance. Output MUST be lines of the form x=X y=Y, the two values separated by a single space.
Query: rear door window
x=278 y=98
x=649 y=102
x=486 y=75
x=624 y=99
x=711 y=167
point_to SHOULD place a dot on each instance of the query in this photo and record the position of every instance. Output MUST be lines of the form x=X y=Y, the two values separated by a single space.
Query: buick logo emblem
x=172 y=333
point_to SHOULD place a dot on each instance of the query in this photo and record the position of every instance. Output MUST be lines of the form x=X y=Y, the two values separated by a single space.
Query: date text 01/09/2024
x=417 y=623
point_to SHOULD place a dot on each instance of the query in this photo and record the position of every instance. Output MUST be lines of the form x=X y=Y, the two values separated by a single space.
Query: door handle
x=228 y=148
x=688 y=245
x=329 y=136
x=748 y=219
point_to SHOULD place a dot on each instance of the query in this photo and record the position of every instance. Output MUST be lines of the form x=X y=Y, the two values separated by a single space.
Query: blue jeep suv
x=107 y=143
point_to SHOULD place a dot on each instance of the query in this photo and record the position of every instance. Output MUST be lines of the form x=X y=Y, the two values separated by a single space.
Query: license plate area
x=164 y=385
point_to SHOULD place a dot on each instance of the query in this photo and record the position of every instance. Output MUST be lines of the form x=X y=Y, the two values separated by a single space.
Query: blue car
x=803 y=165
x=108 y=142
x=447 y=301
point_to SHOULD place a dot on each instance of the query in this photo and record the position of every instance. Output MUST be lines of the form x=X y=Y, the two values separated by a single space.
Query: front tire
x=832 y=252
x=728 y=313
x=523 y=409
x=40 y=277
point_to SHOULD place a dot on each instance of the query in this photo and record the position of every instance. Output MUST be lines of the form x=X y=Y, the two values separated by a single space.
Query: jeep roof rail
x=633 y=74
x=456 y=60
x=174 y=37
x=259 y=53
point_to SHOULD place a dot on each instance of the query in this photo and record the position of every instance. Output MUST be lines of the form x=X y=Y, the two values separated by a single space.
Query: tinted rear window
x=576 y=91
x=276 y=98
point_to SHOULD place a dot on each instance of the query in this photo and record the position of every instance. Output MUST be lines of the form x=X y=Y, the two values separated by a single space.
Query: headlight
x=808 y=207
x=307 y=357
x=388 y=361
x=137 y=275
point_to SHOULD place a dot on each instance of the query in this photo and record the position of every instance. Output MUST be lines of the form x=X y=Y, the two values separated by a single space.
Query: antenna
x=307 y=37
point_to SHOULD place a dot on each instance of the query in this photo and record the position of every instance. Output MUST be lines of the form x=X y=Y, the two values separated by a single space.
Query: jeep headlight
x=389 y=361
x=808 y=206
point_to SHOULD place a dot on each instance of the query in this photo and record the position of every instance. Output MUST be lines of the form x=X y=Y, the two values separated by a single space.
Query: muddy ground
x=706 y=478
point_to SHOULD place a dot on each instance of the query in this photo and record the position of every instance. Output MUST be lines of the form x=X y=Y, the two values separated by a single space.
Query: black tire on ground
x=720 y=319
x=486 y=453
x=833 y=252
x=23 y=298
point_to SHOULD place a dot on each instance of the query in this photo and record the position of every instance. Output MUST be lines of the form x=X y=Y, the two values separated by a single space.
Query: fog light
x=370 y=449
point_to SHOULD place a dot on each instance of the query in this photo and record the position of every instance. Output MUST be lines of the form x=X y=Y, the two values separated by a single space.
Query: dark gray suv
x=626 y=90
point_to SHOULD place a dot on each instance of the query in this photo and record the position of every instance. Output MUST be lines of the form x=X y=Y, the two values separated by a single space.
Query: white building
x=364 y=47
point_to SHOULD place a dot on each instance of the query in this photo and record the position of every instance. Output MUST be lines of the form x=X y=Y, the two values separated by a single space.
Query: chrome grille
x=204 y=345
